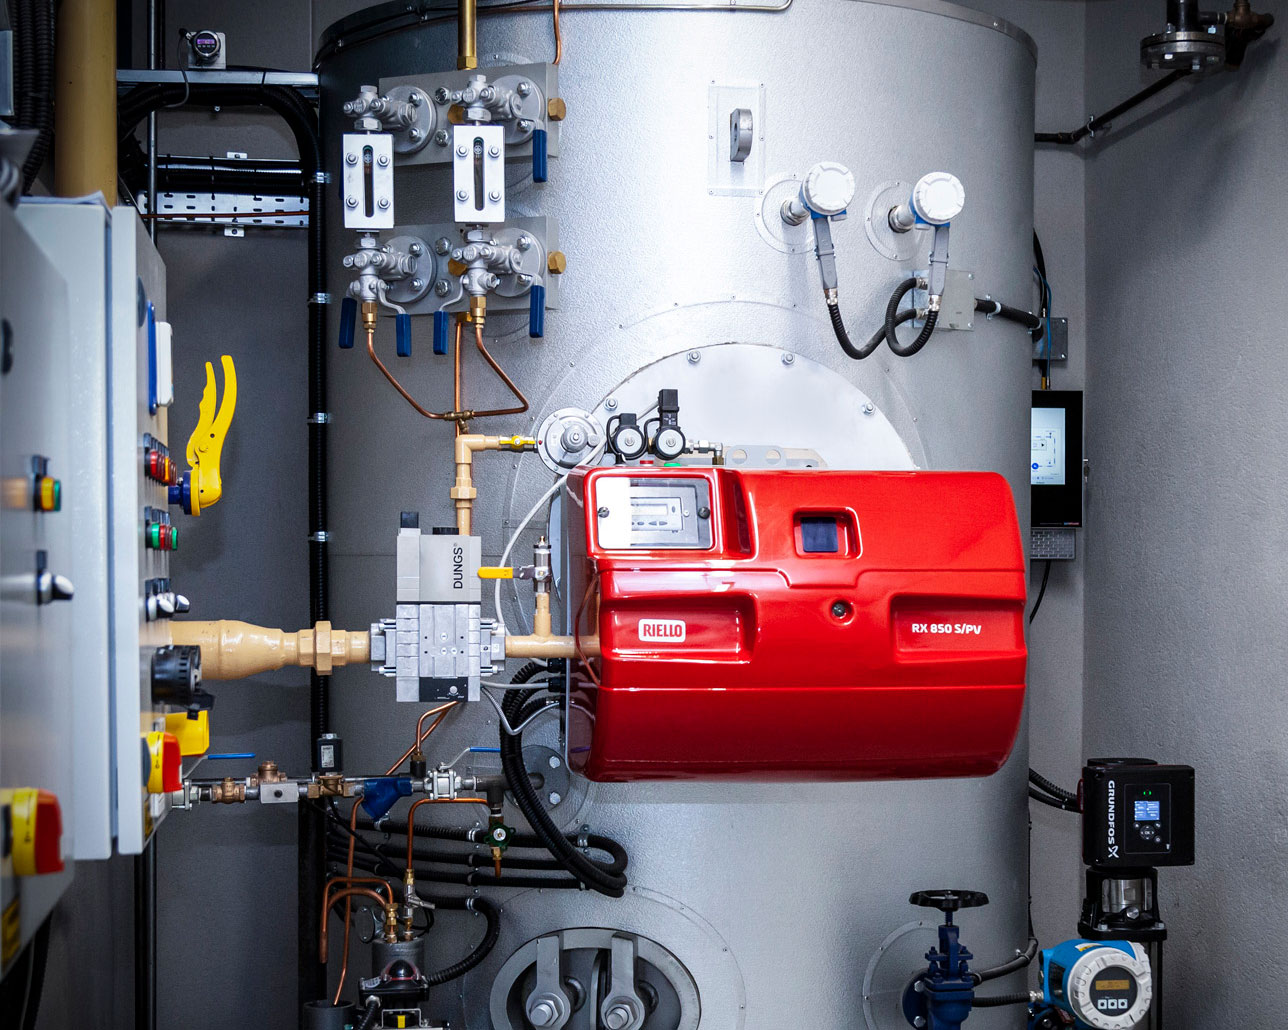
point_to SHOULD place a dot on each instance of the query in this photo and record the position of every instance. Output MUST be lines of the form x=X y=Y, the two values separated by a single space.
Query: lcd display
x=1148 y=811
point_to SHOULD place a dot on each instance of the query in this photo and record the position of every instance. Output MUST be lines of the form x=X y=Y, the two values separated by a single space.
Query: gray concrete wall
x=1185 y=550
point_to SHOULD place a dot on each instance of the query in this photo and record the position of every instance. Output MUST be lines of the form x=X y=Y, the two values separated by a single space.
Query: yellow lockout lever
x=204 y=484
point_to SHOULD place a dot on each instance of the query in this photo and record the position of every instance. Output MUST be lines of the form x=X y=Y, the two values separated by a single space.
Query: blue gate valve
x=941 y=997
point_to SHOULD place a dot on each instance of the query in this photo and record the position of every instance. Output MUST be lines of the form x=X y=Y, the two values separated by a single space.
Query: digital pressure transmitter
x=1104 y=985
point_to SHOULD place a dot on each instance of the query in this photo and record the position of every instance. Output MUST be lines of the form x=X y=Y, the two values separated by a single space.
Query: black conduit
x=1007 y=968
x=1018 y=998
x=906 y=350
x=997 y=309
x=489 y=912
x=843 y=338
x=303 y=123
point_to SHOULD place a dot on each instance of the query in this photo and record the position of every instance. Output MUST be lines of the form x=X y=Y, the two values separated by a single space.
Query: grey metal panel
x=657 y=265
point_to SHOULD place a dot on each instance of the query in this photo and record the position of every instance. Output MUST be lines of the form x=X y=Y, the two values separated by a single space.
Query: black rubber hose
x=1040 y=781
x=595 y=876
x=906 y=350
x=1046 y=799
x=999 y=310
x=1039 y=261
x=474 y=878
x=843 y=337
x=25 y=62
x=370 y=1014
x=42 y=97
x=480 y=859
x=1007 y=968
x=493 y=916
x=997 y=1001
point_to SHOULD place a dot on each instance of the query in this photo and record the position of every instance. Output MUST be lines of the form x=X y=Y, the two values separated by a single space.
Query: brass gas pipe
x=467 y=34
x=232 y=650
x=463 y=490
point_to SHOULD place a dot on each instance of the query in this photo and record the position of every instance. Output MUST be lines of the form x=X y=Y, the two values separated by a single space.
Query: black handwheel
x=948 y=900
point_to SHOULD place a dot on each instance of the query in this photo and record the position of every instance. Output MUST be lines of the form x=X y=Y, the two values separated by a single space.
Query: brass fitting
x=232 y=650
x=556 y=262
x=463 y=491
x=467 y=35
x=228 y=792
x=370 y=311
x=391 y=923
x=477 y=314
x=556 y=109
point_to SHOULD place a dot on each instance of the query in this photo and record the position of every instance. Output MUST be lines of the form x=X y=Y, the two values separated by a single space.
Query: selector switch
x=176 y=679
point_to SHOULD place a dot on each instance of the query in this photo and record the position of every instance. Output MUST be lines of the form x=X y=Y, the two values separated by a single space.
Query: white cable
x=514 y=731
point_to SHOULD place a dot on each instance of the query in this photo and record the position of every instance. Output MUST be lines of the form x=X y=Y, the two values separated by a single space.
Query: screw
x=555 y=797
x=460 y=195
x=441 y=137
x=525 y=124
x=494 y=195
x=416 y=99
x=442 y=287
x=451 y=690
x=704 y=513
x=554 y=762
x=618 y=1017
x=602 y=513
x=525 y=279
x=382 y=160
x=523 y=242
x=416 y=284
x=494 y=151
x=351 y=202
x=694 y=357
x=869 y=408
x=611 y=404
x=919 y=1021
x=440 y=95
x=351 y=159
x=383 y=203
x=348 y=261
x=543 y=1014
x=523 y=88
x=442 y=245
x=414 y=135
x=840 y=609
x=415 y=250
x=789 y=359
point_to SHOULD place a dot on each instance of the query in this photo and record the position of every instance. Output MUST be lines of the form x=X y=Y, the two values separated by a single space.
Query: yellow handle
x=495 y=572
x=206 y=444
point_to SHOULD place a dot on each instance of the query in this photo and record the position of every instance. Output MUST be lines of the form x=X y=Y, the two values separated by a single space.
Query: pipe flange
x=423 y=119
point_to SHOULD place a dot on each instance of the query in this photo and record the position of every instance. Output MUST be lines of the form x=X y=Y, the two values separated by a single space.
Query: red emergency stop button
x=166 y=761
x=36 y=824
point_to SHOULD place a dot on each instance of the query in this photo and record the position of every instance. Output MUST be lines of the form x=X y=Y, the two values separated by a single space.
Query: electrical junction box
x=808 y=624
x=1137 y=814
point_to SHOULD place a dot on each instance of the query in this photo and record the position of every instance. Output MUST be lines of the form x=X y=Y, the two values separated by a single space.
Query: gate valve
x=202 y=485
x=941 y=997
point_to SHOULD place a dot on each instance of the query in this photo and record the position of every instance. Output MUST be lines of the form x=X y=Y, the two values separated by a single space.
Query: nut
x=556 y=262
x=556 y=109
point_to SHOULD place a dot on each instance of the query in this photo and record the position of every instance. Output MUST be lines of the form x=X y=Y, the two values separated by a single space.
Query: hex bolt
x=442 y=245
x=525 y=124
x=602 y=513
x=523 y=242
x=869 y=408
x=383 y=203
x=694 y=357
x=416 y=284
x=554 y=762
x=523 y=88
x=416 y=98
x=415 y=250
x=441 y=95
x=525 y=279
x=462 y=151
x=383 y=160
x=348 y=107
x=919 y=1021
x=789 y=359
x=414 y=135
x=611 y=404
x=542 y=1014
x=351 y=202
x=555 y=797
x=618 y=1017
x=442 y=287
x=351 y=159
x=441 y=137
x=348 y=261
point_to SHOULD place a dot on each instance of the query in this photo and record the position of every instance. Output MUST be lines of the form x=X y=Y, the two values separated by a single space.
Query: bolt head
x=494 y=151
x=348 y=261
x=442 y=287
x=840 y=609
x=617 y=1017
x=523 y=242
x=494 y=196
x=523 y=88
x=416 y=98
x=542 y=1014
x=555 y=797
x=460 y=195
x=441 y=95
x=602 y=513
x=462 y=151
x=441 y=137
x=351 y=159
x=554 y=762
x=525 y=124
x=415 y=250
x=869 y=408
x=351 y=202
x=452 y=690
x=416 y=284
x=789 y=359
x=694 y=357
x=383 y=203
x=525 y=279
x=442 y=246
x=414 y=135
x=611 y=404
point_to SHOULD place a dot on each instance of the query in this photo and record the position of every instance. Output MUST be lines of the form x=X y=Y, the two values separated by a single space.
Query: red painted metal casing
x=899 y=654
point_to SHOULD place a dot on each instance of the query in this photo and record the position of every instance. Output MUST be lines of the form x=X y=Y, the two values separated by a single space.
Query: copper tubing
x=348 y=903
x=347 y=892
x=420 y=737
x=411 y=816
x=458 y=390
x=85 y=99
x=371 y=351
x=523 y=401
x=554 y=7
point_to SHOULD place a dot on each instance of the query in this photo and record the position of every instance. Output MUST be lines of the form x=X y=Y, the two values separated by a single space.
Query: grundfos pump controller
x=1137 y=813
x=780 y=623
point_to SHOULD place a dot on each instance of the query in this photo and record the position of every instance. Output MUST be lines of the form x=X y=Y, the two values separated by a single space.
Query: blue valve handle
x=442 y=327
x=539 y=170
x=402 y=326
x=537 y=311
x=152 y=359
x=348 y=321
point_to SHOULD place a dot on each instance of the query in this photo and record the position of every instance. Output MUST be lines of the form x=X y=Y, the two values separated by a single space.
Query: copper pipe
x=348 y=904
x=411 y=815
x=420 y=737
x=523 y=401
x=347 y=892
x=456 y=366
x=371 y=351
x=467 y=35
x=554 y=6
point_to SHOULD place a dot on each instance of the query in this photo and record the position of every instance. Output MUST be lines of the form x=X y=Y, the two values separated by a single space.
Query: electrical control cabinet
x=38 y=600
x=795 y=623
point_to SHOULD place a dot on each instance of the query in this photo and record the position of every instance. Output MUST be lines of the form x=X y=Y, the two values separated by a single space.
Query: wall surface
x=1185 y=551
